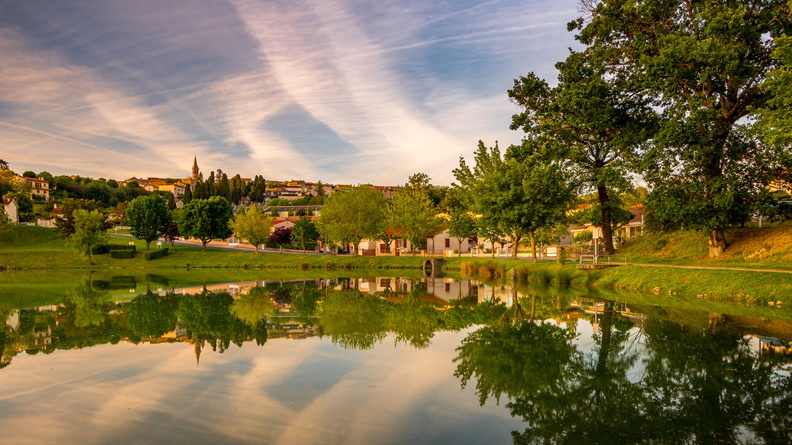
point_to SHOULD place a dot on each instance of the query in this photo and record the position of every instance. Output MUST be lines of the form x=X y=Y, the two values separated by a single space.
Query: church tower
x=196 y=172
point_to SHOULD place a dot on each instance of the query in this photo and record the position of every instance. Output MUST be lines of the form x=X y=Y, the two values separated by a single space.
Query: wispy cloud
x=382 y=89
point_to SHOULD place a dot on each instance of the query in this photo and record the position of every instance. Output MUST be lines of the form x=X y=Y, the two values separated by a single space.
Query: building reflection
x=262 y=310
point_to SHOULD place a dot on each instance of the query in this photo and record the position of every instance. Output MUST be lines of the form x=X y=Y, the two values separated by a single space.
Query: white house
x=11 y=209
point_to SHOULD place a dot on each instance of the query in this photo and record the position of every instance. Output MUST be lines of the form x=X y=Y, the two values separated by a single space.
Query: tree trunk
x=515 y=242
x=203 y=245
x=533 y=246
x=148 y=243
x=607 y=221
x=717 y=243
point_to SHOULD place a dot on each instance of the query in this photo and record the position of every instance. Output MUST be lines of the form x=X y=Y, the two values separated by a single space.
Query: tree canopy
x=148 y=216
x=206 y=219
x=351 y=215
x=89 y=231
x=701 y=65
x=517 y=194
x=592 y=121
x=412 y=216
x=253 y=225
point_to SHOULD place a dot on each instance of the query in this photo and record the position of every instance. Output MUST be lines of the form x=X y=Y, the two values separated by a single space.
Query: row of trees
x=691 y=96
x=84 y=224
x=361 y=212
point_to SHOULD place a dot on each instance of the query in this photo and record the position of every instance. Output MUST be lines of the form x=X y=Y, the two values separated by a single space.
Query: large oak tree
x=701 y=63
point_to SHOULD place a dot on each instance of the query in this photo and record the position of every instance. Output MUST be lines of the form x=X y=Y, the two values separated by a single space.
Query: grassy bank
x=39 y=248
x=750 y=248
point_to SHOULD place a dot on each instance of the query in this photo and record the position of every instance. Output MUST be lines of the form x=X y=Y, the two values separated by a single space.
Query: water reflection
x=662 y=383
x=574 y=367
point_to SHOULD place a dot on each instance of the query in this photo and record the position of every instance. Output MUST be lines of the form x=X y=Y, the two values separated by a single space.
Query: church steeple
x=196 y=172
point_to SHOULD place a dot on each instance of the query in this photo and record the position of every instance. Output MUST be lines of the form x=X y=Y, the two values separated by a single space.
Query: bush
x=100 y=249
x=121 y=247
x=122 y=254
x=155 y=254
x=541 y=274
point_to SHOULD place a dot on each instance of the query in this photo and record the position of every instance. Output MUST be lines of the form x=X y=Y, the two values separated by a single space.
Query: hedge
x=122 y=247
x=100 y=249
x=122 y=254
x=155 y=254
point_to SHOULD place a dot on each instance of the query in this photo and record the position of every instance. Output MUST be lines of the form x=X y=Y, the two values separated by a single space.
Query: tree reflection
x=353 y=320
x=254 y=307
x=413 y=321
x=207 y=316
x=150 y=315
x=90 y=306
x=694 y=387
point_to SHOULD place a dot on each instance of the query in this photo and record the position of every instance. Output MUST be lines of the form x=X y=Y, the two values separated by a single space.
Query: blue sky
x=343 y=91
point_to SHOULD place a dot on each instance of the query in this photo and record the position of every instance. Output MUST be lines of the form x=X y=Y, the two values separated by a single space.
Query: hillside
x=759 y=248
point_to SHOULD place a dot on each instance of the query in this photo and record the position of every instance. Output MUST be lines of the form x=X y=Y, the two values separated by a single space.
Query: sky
x=342 y=91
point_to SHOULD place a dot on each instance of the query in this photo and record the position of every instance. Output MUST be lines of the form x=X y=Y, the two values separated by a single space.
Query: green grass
x=40 y=248
x=746 y=287
x=750 y=248
x=36 y=247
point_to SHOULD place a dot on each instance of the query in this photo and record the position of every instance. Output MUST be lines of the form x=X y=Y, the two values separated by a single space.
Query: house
x=11 y=210
x=38 y=187
x=436 y=244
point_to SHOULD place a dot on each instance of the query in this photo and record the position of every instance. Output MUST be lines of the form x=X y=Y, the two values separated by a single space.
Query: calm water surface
x=382 y=360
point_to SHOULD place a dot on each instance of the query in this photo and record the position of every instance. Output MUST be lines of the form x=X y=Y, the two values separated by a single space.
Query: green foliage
x=148 y=216
x=254 y=307
x=155 y=254
x=206 y=219
x=65 y=226
x=412 y=216
x=517 y=194
x=89 y=230
x=583 y=237
x=704 y=164
x=100 y=249
x=253 y=225
x=524 y=355
x=590 y=120
x=150 y=315
x=304 y=233
x=351 y=215
x=278 y=202
x=122 y=254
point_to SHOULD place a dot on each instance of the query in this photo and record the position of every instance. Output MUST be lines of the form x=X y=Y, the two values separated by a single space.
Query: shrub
x=122 y=254
x=100 y=249
x=122 y=247
x=541 y=274
x=564 y=275
x=155 y=254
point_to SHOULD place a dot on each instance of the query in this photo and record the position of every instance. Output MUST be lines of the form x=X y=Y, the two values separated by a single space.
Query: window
x=448 y=242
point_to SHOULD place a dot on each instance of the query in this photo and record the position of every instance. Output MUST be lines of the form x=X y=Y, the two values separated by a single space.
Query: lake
x=196 y=358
